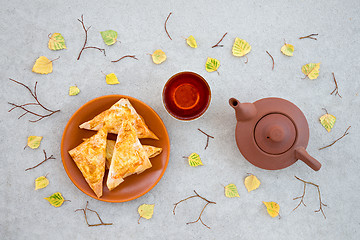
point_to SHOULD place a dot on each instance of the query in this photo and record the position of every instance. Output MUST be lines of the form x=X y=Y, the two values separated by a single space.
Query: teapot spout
x=243 y=111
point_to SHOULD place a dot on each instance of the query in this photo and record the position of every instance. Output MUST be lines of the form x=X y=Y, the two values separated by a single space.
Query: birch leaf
x=272 y=208
x=41 y=182
x=328 y=121
x=56 y=199
x=212 y=64
x=56 y=42
x=146 y=211
x=194 y=160
x=231 y=191
x=191 y=41
x=74 y=90
x=311 y=70
x=251 y=183
x=34 y=141
x=158 y=56
x=111 y=79
x=109 y=37
x=42 y=65
x=287 y=49
x=240 y=47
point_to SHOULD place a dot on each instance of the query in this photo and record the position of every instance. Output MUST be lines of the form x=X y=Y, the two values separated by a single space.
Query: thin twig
x=86 y=36
x=345 y=133
x=88 y=209
x=126 y=56
x=311 y=36
x=199 y=218
x=37 y=103
x=217 y=44
x=321 y=204
x=165 y=25
x=273 y=62
x=46 y=158
x=336 y=90
x=207 y=139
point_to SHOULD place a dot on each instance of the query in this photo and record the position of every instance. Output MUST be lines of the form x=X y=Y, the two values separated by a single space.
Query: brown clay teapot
x=272 y=133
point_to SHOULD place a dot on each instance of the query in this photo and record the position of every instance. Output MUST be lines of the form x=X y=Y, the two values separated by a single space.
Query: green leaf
x=328 y=121
x=56 y=199
x=194 y=160
x=109 y=37
x=56 y=42
x=212 y=64
x=287 y=49
x=34 y=141
x=240 y=47
x=41 y=182
x=74 y=90
x=311 y=70
x=231 y=191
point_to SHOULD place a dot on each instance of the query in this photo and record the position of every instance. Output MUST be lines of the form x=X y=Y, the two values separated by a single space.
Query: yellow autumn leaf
x=287 y=49
x=112 y=79
x=231 y=191
x=311 y=70
x=194 y=160
x=42 y=65
x=328 y=121
x=191 y=41
x=146 y=211
x=41 y=182
x=74 y=90
x=212 y=64
x=158 y=56
x=56 y=199
x=56 y=42
x=240 y=47
x=34 y=141
x=272 y=208
x=251 y=183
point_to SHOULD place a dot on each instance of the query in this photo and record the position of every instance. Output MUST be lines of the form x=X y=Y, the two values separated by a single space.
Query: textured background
x=264 y=24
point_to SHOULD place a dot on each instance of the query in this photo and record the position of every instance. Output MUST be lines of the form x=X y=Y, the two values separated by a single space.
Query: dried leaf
x=231 y=191
x=109 y=37
x=41 y=182
x=272 y=208
x=287 y=49
x=112 y=79
x=194 y=160
x=240 y=47
x=74 y=90
x=328 y=121
x=56 y=42
x=34 y=141
x=212 y=64
x=311 y=70
x=251 y=183
x=42 y=65
x=146 y=210
x=158 y=56
x=191 y=41
x=56 y=199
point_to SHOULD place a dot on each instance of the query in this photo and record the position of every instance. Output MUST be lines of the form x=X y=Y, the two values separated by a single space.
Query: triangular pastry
x=89 y=157
x=115 y=115
x=129 y=156
x=150 y=151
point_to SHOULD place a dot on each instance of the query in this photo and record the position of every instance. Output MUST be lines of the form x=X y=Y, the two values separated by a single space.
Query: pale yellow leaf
x=240 y=47
x=112 y=79
x=74 y=90
x=287 y=49
x=251 y=183
x=191 y=41
x=272 y=208
x=41 y=182
x=42 y=65
x=212 y=64
x=311 y=70
x=328 y=121
x=231 y=191
x=158 y=56
x=56 y=199
x=194 y=160
x=34 y=141
x=146 y=211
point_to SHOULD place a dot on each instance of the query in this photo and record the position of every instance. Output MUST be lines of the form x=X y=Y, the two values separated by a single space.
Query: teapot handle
x=302 y=154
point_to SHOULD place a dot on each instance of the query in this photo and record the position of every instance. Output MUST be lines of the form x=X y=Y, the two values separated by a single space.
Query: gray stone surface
x=24 y=27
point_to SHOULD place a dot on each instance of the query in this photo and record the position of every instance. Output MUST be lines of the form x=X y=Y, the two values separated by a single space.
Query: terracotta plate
x=134 y=186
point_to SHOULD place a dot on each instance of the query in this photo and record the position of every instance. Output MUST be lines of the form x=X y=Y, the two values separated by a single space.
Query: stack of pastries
x=123 y=157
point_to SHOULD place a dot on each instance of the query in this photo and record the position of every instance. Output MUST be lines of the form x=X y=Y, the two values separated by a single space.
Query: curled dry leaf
x=194 y=160
x=42 y=65
x=251 y=183
x=109 y=37
x=328 y=121
x=311 y=70
x=146 y=211
x=111 y=79
x=41 y=182
x=158 y=56
x=272 y=208
x=240 y=47
x=34 y=141
x=287 y=49
x=56 y=42
x=74 y=90
x=212 y=64
x=231 y=191
x=56 y=199
x=191 y=41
